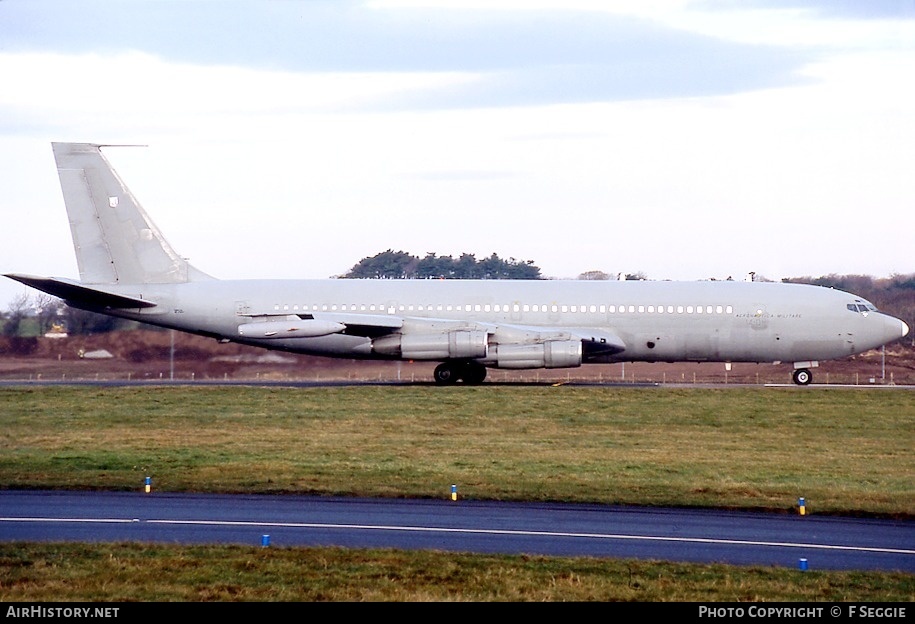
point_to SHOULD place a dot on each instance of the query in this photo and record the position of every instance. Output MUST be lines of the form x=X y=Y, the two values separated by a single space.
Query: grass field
x=846 y=451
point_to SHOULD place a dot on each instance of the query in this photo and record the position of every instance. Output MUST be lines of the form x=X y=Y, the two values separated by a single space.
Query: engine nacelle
x=550 y=354
x=428 y=346
x=305 y=328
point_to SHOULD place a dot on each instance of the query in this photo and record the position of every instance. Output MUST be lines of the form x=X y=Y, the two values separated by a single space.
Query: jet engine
x=428 y=346
x=306 y=328
x=549 y=354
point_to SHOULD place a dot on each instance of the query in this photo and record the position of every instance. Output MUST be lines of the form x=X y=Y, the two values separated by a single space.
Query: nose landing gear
x=802 y=376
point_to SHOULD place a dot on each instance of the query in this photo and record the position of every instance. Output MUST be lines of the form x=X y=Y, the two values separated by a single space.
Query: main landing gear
x=452 y=371
x=802 y=376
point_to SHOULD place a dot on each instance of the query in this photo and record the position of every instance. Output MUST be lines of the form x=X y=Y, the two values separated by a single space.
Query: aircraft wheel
x=474 y=373
x=802 y=377
x=445 y=373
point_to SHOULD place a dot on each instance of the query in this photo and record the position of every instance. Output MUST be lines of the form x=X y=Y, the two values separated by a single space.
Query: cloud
x=486 y=58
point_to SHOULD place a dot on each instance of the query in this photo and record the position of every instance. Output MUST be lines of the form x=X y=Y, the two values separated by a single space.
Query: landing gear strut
x=802 y=376
x=450 y=372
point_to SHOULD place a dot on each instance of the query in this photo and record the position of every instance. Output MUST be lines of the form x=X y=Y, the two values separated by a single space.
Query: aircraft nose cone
x=885 y=330
x=894 y=328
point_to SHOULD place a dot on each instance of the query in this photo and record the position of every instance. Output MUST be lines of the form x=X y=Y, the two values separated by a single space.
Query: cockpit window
x=861 y=306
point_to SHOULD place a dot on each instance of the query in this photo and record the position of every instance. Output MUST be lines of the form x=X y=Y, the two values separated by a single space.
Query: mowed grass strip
x=845 y=451
x=161 y=572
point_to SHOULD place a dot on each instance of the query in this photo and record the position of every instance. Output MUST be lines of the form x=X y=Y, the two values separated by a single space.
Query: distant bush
x=18 y=345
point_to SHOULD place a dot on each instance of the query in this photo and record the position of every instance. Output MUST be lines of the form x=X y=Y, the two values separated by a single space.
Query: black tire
x=473 y=373
x=802 y=377
x=445 y=373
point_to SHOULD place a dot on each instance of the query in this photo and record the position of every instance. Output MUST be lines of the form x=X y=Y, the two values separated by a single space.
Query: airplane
x=127 y=269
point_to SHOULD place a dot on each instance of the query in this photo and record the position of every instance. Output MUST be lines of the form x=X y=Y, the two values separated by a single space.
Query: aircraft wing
x=368 y=325
x=595 y=341
x=79 y=294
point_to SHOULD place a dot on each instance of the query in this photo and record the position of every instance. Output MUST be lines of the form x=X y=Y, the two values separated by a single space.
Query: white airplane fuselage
x=129 y=270
x=656 y=321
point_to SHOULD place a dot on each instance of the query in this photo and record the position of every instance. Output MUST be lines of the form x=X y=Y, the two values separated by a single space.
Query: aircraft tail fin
x=115 y=240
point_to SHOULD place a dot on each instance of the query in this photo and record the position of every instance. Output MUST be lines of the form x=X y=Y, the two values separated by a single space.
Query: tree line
x=392 y=264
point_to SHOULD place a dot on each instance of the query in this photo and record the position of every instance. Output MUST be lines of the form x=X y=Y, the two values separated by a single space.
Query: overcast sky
x=680 y=139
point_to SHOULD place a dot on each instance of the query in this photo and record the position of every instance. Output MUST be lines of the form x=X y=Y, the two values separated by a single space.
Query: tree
x=524 y=269
x=466 y=267
x=398 y=264
x=435 y=267
x=18 y=310
x=48 y=308
x=84 y=323
x=388 y=264
x=594 y=275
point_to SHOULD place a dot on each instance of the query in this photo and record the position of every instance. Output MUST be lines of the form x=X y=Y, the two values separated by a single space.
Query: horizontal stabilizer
x=80 y=295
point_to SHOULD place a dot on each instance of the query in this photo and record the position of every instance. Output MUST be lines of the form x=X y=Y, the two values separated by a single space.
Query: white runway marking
x=370 y=527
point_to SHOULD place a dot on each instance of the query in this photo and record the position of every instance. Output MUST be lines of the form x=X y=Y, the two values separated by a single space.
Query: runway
x=701 y=536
